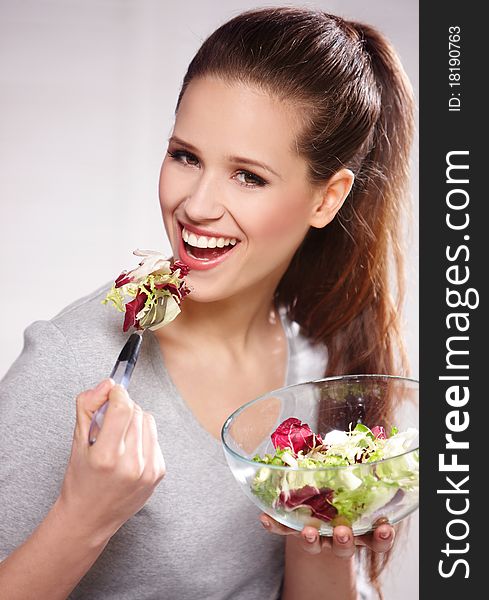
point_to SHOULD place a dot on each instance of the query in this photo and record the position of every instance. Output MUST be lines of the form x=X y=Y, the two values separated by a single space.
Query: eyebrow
x=233 y=159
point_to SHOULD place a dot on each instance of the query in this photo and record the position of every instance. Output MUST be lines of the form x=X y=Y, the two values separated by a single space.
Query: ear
x=330 y=197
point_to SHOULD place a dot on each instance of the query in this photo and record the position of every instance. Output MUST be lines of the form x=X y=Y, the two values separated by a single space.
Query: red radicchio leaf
x=123 y=279
x=379 y=432
x=317 y=500
x=132 y=309
x=295 y=434
x=170 y=287
x=184 y=290
x=178 y=264
x=321 y=506
x=294 y=498
x=178 y=293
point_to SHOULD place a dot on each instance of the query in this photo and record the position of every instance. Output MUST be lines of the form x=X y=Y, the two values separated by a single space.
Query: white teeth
x=202 y=241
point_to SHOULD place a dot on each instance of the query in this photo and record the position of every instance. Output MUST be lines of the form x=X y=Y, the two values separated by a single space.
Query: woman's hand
x=108 y=482
x=342 y=543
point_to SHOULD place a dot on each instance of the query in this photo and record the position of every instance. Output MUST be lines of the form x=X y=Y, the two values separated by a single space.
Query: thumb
x=88 y=402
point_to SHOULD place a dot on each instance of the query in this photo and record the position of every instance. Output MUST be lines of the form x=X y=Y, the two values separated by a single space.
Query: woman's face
x=234 y=195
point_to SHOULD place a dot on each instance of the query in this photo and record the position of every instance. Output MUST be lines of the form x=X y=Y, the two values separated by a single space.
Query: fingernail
x=384 y=535
x=343 y=539
x=310 y=538
x=101 y=385
x=265 y=523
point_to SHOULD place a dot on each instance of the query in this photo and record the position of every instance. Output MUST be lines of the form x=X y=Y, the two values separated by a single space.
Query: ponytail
x=344 y=299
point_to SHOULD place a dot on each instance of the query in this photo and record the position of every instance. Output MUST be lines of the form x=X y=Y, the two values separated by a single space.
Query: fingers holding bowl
x=273 y=526
x=343 y=542
x=309 y=537
x=383 y=538
x=311 y=540
x=380 y=540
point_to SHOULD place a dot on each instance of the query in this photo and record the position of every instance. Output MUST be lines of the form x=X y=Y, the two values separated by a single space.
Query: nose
x=203 y=203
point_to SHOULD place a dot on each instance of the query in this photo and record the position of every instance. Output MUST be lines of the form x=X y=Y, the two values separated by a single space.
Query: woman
x=291 y=143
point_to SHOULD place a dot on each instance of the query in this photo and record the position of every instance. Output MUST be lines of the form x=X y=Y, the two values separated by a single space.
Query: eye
x=250 y=179
x=184 y=157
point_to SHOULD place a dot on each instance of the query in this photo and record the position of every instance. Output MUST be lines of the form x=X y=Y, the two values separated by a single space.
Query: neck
x=234 y=323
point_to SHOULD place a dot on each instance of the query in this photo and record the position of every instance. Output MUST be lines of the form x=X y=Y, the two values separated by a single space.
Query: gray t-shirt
x=198 y=536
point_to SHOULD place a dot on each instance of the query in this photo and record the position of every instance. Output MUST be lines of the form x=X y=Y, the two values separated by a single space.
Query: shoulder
x=307 y=361
x=89 y=317
x=92 y=332
x=80 y=341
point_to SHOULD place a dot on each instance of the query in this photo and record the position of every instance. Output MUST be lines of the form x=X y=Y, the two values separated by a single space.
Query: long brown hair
x=357 y=107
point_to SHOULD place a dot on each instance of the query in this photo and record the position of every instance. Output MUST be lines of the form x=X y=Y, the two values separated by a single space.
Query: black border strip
x=452 y=120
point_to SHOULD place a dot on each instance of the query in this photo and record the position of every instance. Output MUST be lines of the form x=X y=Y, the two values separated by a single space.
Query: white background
x=88 y=90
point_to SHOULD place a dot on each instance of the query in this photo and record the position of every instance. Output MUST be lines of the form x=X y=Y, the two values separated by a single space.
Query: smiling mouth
x=206 y=248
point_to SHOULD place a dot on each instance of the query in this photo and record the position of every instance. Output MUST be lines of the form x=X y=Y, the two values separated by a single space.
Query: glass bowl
x=360 y=495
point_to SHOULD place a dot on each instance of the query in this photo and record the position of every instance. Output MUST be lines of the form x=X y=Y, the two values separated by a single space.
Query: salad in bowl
x=340 y=450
